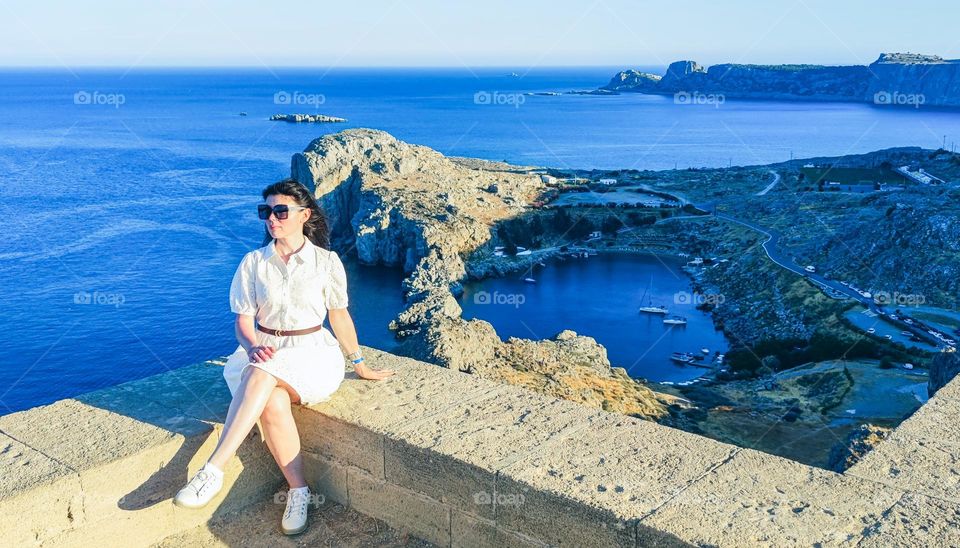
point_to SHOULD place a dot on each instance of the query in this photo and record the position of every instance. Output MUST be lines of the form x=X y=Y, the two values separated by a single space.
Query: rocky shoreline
x=441 y=218
x=399 y=204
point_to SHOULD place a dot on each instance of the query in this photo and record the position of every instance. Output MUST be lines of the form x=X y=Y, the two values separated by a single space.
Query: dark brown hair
x=316 y=228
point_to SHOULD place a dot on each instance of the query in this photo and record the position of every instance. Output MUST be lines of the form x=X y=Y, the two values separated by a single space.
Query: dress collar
x=305 y=254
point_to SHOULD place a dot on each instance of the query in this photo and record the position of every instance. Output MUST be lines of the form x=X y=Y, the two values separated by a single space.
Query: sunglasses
x=282 y=211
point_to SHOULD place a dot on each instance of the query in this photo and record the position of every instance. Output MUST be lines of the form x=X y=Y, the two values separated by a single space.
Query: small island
x=307 y=118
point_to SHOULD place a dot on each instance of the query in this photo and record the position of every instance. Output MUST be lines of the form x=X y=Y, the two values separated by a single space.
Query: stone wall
x=463 y=461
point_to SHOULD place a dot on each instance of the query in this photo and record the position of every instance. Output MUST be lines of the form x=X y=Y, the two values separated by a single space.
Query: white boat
x=681 y=357
x=705 y=350
x=530 y=280
x=871 y=330
x=675 y=320
x=651 y=308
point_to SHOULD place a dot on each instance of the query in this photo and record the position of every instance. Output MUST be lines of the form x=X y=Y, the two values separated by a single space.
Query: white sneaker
x=202 y=488
x=295 y=516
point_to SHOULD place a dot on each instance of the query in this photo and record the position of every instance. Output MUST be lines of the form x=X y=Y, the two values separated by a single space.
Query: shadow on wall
x=191 y=403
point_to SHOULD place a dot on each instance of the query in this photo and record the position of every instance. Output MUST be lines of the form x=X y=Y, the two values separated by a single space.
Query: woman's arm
x=247 y=337
x=346 y=334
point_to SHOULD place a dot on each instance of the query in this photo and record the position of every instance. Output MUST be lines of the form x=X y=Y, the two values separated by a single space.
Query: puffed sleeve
x=335 y=292
x=243 y=290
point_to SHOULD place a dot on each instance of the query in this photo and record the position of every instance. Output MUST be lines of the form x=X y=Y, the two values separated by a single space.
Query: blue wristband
x=358 y=360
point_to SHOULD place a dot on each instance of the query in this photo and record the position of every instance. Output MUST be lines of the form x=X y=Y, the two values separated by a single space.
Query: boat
x=675 y=320
x=681 y=357
x=871 y=330
x=705 y=350
x=651 y=308
x=529 y=277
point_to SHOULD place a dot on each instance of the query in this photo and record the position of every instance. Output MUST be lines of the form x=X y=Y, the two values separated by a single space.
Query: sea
x=130 y=198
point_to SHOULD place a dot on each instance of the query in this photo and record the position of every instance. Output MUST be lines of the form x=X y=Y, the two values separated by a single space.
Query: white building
x=607 y=181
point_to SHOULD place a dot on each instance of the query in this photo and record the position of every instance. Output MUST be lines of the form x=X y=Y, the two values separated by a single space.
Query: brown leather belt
x=290 y=333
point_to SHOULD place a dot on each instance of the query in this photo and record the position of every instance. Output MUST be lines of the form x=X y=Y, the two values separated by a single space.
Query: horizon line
x=266 y=67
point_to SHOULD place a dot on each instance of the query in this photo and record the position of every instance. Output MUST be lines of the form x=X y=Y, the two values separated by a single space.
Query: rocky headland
x=442 y=219
x=406 y=205
x=894 y=79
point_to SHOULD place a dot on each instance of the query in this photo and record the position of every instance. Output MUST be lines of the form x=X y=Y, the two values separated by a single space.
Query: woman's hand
x=260 y=353
x=365 y=372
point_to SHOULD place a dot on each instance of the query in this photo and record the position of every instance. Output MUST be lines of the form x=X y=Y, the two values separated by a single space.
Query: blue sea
x=129 y=195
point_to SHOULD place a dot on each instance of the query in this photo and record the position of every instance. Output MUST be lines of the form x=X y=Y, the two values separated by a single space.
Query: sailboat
x=650 y=308
x=529 y=278
x=675 y=320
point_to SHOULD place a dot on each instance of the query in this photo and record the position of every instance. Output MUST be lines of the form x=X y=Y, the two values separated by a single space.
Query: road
x=773 y=253
x=770 y=247
x=776 y=179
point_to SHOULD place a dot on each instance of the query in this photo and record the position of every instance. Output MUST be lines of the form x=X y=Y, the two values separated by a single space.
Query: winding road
x=774 y=254
x=776 y=179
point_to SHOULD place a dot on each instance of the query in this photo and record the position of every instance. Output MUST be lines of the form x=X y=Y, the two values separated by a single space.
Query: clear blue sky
x=518 y=33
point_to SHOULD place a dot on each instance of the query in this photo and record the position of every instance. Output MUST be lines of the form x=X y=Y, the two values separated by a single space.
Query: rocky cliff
x=893 y=79
x=408 y=205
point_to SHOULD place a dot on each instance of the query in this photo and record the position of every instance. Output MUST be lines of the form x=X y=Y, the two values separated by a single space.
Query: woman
x=281 y=294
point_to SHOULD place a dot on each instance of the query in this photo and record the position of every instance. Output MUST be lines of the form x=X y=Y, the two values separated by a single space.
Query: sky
x=518 y=33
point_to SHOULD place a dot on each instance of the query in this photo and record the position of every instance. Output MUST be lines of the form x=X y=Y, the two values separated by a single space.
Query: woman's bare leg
x=283 y=439
x=252 y=395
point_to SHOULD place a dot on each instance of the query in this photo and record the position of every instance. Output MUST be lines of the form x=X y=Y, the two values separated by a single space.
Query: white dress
x=285 y=296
